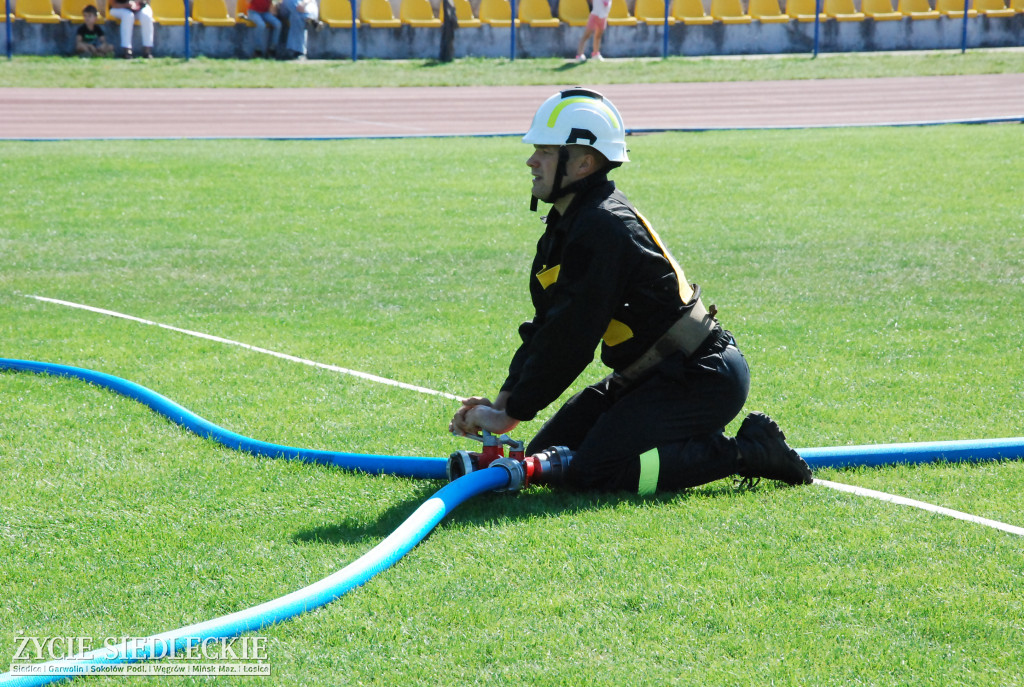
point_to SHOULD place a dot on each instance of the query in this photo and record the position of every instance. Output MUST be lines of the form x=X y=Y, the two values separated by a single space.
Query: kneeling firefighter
x=602 y=275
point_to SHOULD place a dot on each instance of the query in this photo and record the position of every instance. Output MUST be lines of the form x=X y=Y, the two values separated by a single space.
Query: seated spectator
x=127 y=12
x=299 y=14
x=261 y=14
x=90 y=40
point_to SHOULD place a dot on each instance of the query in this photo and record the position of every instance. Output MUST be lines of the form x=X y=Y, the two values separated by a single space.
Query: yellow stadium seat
x=729 y=12
x=653 y=12
x=71 y=10
x=767 y=12
x=418 y=13
x=843 y=10
x=36 y=12
x=496 y=13
x=211 y=13
x=1017 y=6
x=168 y=12
x=573 y=12
x=378 y=14
x=691 y=12
x=337 y=14
x=619 y=14
x=803 y=10
x=993 y=8
x=464 y=14
x=880 y=10
x=536 y=13
x=916 y=9
x=953 y=9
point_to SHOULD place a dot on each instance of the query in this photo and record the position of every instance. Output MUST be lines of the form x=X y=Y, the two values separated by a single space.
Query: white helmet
x=583 y=117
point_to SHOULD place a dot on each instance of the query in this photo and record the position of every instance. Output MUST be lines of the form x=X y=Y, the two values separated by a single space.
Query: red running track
x=42 y=113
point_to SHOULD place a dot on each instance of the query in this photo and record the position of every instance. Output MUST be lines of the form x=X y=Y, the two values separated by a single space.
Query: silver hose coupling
x=516 y=474
x=461 y=463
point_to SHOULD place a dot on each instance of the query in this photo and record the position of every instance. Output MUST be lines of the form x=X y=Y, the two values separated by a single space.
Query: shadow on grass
x=487 y=509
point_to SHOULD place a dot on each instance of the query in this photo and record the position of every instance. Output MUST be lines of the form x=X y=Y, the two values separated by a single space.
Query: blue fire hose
x=877 y=455
x=378 y=559
x=403 y=466
x=403 y=539
x=434 y=468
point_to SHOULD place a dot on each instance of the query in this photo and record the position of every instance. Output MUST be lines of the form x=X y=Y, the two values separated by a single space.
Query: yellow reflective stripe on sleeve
x=548 y=276
x=650 y=466
x=685 y=291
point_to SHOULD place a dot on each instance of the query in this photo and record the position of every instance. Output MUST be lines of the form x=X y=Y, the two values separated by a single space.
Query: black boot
x=763 y=452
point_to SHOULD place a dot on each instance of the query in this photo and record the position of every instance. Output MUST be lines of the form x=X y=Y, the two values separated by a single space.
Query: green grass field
x=873 y=278
x=33 y=72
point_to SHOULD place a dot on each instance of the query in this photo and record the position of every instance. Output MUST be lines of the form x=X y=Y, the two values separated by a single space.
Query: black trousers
x=665 y=432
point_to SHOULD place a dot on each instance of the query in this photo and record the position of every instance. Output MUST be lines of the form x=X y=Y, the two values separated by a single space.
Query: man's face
x=89 y=18
x=543 y=164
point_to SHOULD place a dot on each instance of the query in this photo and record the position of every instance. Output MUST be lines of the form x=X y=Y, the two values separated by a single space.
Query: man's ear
x=591 y=163
x=586 y=164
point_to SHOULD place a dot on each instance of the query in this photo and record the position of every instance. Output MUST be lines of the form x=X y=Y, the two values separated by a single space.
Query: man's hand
x=478 y=413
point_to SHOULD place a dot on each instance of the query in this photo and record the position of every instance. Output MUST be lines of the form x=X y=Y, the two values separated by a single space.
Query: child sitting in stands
x=90 y=40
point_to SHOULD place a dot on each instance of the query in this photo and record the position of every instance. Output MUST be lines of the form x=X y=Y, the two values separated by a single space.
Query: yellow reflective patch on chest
x=548 y=276
x=616 y=333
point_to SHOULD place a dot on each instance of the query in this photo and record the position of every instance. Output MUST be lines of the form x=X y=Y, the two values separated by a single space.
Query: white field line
x=892 y=498
x=255 y=349
x=859 y=491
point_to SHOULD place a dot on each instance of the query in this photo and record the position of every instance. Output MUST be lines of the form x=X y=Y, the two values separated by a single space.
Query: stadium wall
x=407 y=42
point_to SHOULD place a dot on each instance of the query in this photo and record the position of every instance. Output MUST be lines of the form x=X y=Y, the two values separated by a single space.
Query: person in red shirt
x=261 y=14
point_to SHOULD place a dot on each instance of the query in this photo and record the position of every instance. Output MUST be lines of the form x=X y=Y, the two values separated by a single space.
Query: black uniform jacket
x=600 y=273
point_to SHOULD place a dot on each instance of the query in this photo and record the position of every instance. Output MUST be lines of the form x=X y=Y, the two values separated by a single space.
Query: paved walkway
x=31 y=113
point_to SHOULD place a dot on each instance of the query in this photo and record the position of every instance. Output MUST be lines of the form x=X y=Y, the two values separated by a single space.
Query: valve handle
x=488 y=439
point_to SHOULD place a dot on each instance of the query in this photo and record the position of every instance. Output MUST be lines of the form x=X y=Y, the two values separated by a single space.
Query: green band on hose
x=650 y=465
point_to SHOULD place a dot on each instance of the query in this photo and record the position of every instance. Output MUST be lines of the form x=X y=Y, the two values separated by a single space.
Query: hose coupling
x=516 y=474
x=462 y=463
x=549 y=466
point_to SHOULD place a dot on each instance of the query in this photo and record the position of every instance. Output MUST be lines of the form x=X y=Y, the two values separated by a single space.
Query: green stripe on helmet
x=553 y=118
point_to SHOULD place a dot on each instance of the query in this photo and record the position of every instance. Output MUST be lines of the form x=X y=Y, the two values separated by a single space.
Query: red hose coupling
x=464 y=462
x=547 y=467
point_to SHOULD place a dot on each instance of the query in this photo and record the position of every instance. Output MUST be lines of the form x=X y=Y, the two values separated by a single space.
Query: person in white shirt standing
x=596 y=24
